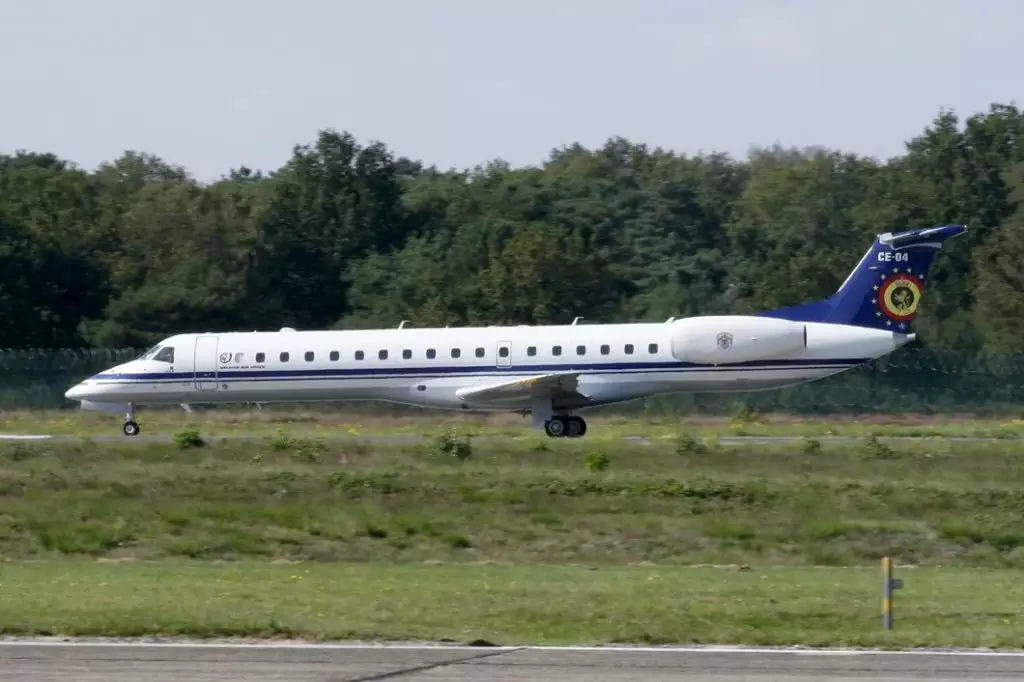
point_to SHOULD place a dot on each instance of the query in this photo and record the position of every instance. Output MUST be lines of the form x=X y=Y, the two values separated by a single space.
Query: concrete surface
x=27 y=661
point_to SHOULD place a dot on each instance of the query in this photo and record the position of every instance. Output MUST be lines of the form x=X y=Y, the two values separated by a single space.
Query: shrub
x=189 y=437
x=811 y=446
x=744 y=414
x=597 y=461
x=459 y=541
x=281 y=440
x=372 y=530
x=305 y=449
x=18 y=452
x=872 y=448
x=689 y=443
x=450 y=444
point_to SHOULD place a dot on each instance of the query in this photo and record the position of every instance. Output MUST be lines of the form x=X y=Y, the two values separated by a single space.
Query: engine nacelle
x=716 y=340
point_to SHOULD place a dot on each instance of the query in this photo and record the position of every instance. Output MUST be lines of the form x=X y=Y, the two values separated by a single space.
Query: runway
x=116 y=437
x=28 y=661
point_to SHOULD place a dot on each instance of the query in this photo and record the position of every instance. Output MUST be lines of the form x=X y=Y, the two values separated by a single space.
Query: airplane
x=550 y=372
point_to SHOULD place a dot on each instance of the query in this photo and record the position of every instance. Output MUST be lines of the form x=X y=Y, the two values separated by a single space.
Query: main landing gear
x=131 y=427
x=565 y=427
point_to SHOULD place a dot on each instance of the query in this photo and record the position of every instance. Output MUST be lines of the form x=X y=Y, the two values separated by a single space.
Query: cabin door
x=504 y=354
x=205 y=363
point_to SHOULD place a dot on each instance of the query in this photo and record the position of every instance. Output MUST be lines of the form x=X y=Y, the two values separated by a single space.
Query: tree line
x=352 y=235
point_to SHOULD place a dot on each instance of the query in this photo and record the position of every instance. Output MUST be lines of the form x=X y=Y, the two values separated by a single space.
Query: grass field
x=513 y=540
x=667 y=501
x=508 y=605
x=603 y=424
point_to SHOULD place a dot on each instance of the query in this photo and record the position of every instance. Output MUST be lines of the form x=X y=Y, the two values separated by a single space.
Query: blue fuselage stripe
x=427 y=372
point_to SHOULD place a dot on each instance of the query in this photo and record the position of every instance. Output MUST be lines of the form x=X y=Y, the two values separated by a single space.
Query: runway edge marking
x=326 y=646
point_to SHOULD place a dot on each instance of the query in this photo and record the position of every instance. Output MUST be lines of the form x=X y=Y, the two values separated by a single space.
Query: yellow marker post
x=887 y=593
x=889 y=585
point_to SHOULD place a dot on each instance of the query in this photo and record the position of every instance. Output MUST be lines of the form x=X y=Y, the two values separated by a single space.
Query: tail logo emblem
x=899 y=296
x=724 y=341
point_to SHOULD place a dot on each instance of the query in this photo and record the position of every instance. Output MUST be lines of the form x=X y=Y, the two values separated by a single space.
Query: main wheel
x=555 y=427
x=130 y=428
x=576 y=427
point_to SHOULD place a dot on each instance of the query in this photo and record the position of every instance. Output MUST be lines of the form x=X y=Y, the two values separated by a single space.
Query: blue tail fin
x=885 y=289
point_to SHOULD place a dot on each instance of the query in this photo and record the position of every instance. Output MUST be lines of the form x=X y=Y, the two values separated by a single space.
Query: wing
x=558 y=385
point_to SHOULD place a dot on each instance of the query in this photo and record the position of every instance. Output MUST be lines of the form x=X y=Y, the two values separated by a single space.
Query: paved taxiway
x=27 y=661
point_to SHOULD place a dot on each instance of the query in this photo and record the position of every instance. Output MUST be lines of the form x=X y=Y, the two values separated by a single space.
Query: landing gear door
x=205 y=366
x=504 y=354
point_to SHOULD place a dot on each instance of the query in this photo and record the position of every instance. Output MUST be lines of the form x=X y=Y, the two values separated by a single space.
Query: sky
x=216 y=84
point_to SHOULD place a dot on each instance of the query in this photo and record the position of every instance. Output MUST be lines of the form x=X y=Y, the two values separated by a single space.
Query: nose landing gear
x=565 y=427
x=131 y=427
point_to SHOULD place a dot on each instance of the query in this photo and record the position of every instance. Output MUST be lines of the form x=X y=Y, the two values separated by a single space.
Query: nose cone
x=77 y=392
x=86 y=390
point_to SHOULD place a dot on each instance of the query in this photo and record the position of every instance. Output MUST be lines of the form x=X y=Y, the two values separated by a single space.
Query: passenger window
x=606 y=349
x=652 y=348
x=456 y=352
x=479 y=352
x=629 y=349
x=531 y=351
x=283 y=357
x=335 y=355
x=166 y=354
x=581 y=350
x=556 y=350
x=261 y=357
x=239 y=357
x=309 y=356
x=382 y=354
x=431 y=353
x=503 y=351
x=406 y=354
x=360 y=355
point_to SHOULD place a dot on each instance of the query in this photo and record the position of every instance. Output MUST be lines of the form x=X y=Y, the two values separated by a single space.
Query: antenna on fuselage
x=402 y=323
x=670 y=319
x=575 y=320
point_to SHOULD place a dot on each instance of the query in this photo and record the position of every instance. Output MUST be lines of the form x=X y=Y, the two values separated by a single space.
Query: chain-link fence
x=37 y=379
x=918 y=380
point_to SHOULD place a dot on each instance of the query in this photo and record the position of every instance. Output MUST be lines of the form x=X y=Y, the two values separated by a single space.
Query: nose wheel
x=131 y=427
x=565 y=427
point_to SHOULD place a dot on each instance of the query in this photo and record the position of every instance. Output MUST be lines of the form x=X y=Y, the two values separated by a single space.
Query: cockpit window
x=148 y=355
x=166 y=354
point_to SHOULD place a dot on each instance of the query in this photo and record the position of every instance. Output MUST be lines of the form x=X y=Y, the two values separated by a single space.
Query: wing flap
x=555 y=385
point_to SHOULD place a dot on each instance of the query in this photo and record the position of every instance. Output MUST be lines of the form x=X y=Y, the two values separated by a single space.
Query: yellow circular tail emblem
x=900 y=296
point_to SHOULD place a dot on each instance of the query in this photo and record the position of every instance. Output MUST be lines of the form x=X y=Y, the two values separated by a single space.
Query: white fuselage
x=427 y=367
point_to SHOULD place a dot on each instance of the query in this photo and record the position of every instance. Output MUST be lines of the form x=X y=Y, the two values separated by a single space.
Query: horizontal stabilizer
x=556 y=385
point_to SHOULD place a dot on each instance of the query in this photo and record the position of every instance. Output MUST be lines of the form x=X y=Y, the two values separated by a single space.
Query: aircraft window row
x=167 y=354
x=582 y=350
